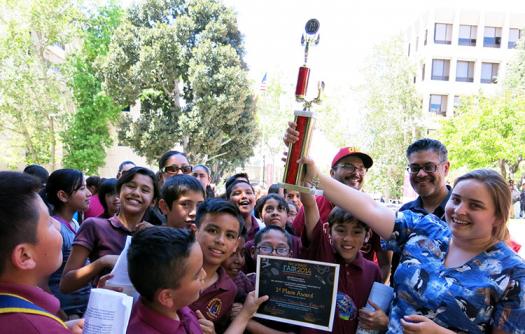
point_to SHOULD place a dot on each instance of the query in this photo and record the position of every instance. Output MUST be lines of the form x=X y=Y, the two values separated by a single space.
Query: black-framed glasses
x=267 y=250
x=174 y=169
x=427 y=168
x=352 y=168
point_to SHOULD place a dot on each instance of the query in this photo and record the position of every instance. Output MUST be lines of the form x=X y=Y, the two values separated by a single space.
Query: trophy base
x=301 y=189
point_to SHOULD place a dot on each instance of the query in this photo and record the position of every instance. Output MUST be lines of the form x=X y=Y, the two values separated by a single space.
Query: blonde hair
x=500 y=194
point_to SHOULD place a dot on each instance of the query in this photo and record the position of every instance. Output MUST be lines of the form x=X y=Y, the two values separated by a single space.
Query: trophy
x=293 y=172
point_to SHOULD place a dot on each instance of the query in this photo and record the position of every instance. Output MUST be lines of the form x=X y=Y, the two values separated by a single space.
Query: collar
x=158 y=321
x=358 y=262
x=34 y=294
x=223 y=281
x=417 y=206
x=115 y=222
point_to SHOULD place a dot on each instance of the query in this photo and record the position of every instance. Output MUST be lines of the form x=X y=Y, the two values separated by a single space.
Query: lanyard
x=65 y=223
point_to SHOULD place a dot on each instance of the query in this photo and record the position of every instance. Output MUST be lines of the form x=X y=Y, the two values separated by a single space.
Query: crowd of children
x=192 y=256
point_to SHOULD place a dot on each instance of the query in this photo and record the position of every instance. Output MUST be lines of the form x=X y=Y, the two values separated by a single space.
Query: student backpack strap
x=11 y=303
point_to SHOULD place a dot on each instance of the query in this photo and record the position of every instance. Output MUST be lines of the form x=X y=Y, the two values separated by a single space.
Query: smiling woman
x=102 y=240
x=447 y=270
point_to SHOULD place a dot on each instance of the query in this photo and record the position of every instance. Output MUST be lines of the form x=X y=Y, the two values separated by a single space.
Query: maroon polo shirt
x=145 y=320
x=102 y=236
x=244 y=286
x=216 y=301
x=253 y=230
x=25 y=323
x=355 y=278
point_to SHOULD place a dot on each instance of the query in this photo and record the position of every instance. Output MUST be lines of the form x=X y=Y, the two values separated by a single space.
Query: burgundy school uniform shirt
x=355 y=281
x=216 y=301
x=23 y=323
x=102 y=236
x=144 y=320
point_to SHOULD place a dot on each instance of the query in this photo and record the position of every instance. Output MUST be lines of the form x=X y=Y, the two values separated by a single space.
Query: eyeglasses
x=267 y=250
x=174 y=169
x=427 y=168
x=351 y=168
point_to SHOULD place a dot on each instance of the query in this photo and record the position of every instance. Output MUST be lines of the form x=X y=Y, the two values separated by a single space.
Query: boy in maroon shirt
x=30 y=251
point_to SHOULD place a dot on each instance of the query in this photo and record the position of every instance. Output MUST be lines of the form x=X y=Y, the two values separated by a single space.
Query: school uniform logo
x=213 y=309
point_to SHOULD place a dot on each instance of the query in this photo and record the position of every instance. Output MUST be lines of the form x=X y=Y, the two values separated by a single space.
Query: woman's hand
x=419 y=324
x=376 y=320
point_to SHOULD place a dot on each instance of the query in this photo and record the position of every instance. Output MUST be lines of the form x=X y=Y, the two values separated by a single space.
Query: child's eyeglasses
x=267 y=250
x=174 y=169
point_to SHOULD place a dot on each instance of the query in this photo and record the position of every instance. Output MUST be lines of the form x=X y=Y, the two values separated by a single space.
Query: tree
x=87 y=133
x=487 y=132
x=182 y=60
x=33 y=96
x=393 y=118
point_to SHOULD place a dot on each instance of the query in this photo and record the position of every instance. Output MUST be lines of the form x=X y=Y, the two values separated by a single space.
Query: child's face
x=243 y=196
x=348 y=238
x=274 y=243
x=183 y=209
x=113 y=203
x=292 y=213
x=79 y=199
x=48 y=248
x=200 y=174
x=136 y=195
x=274 y=214
x=295 y=197
x=192 y=282
x=234 y=264
x=218 y=236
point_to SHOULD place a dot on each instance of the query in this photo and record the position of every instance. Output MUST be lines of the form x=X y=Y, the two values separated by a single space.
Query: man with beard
x=349 y=166
x=428 y=167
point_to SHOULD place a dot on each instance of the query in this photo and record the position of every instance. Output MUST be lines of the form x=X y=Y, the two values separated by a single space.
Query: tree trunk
x=502 y=163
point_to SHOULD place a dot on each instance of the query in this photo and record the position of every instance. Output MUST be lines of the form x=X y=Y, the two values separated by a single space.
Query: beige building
x=461 y=52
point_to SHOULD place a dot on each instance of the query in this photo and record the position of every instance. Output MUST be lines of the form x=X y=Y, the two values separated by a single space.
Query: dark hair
x=94 y=181
x=164 y=158
x=215 y=206
x=67 y=180
x=427 y=144
x=260 y=203
x=178 y=185
x=128 y=177
x=38 y=171
x=338 y=215
x=157 y=258
x=273 y=189
x=107 y=187
x=123 y=163
x=269 y=228
x=499 y=192
x=19 y=212
x=229 y=181
x=203 y=167
x=229 y=189
x=292 y=204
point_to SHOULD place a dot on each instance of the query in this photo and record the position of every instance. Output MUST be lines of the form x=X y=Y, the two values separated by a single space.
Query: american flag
x=264 y=83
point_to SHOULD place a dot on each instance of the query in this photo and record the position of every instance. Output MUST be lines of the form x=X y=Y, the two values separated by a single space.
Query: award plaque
x=293 y=171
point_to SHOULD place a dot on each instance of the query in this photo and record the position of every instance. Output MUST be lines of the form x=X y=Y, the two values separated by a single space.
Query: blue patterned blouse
x=486 y=292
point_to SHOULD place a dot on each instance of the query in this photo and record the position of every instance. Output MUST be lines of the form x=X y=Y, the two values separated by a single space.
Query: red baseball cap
x=352 y=150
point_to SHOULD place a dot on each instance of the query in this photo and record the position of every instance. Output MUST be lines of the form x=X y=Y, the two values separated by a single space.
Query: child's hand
x=142 y=225
x=101 y=284
x=236 y=309
x=312 y=172
x=75 y=326
x=207 y=326
x=251 y=304
x=414 y=324
x=291 y=135
x=376 y=320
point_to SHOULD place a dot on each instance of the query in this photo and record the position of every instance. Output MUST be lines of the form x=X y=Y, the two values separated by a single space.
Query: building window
x=440 y=69
x=443 y=33
x=489 y=72
x=492 y=37
x=465 y=71
x=467 y=35
x=438 y=104
x=423 y=72
x=514 y=36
